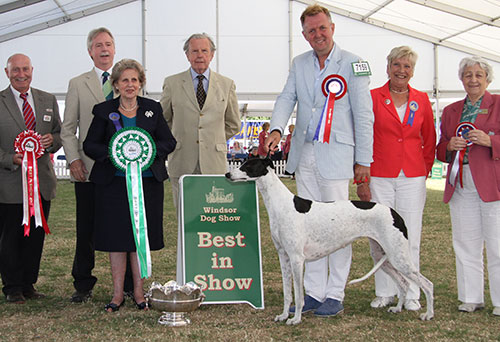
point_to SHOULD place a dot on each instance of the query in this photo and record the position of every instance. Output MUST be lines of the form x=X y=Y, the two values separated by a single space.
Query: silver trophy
x=174 y=301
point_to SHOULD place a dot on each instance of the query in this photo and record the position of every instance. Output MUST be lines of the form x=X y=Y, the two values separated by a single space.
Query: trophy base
x=174 y=319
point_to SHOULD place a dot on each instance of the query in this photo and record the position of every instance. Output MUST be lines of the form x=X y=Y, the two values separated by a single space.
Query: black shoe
x=113 y=307
x=81 y=296
x=16 y=298
x=33 y=294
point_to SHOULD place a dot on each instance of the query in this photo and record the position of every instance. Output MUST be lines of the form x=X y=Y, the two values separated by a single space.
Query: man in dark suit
x=20 y=255
x=84 y=92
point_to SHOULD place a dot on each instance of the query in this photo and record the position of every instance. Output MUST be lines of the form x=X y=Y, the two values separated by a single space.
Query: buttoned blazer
x=11 y=124
x=484 y=162
x=396 y=144
x=149 y=117
x=351 y=138
x=201 y=134
x=84 y=92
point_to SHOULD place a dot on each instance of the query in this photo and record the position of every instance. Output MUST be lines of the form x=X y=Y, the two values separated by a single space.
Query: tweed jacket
x=84 y=92
x=11 y=124
x=201 y=134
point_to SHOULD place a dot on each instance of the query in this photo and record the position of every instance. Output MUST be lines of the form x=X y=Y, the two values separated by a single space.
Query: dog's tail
x=369 y=274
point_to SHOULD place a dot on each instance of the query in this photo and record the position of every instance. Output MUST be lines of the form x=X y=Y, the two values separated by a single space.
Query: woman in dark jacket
x=113 y=224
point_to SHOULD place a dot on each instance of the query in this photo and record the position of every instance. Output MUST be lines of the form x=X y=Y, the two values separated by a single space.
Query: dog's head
x=250 y=170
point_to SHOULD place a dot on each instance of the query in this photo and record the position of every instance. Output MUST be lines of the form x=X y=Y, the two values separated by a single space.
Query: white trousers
x=310 y=185
x=407 y=196
x=475 y=224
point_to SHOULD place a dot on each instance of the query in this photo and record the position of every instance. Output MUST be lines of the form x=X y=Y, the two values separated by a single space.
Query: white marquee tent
x=256 y=39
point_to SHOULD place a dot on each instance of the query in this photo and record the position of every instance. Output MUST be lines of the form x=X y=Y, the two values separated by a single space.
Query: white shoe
x=471 y=307
x=412 y=305
x=496 y=311
x=380 y=302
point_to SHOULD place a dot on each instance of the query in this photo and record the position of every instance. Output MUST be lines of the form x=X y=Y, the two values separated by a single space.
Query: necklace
x=398 y=92
x=128 y=109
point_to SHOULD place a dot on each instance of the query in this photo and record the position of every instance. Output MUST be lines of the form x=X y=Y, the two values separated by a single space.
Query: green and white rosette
x=132 y=150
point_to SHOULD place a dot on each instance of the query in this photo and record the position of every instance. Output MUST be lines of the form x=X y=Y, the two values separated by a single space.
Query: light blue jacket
x=351 y=139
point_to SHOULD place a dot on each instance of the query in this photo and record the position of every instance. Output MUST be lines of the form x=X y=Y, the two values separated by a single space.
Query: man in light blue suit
x=323 y=163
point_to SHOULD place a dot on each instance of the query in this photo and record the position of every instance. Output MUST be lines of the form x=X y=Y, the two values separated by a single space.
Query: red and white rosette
x=457 y=167
x=334 y=87
x=28 y=143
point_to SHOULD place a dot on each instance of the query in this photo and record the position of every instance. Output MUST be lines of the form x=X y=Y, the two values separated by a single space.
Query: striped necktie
x=107 y=89
x=201 y=96
x=29 y=115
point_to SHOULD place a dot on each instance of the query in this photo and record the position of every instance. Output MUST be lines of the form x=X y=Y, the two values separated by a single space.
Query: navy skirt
x=113 y=225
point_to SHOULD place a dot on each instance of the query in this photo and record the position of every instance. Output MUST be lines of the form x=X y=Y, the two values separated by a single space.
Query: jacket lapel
x=486 y=103
x=187 y=85
x=94 y=85
x=13 y=108
x=386 y=99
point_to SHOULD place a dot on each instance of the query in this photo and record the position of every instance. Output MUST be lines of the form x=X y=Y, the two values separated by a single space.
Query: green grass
x=56 y=319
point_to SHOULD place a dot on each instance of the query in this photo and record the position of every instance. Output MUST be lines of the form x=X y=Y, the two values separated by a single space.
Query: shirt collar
x=17 y=93
x=99 y=72
x=194 y=74
x=327 y=60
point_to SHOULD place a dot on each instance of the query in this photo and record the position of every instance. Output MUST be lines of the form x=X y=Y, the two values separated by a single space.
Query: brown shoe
x=33 y=294
x=16 y=298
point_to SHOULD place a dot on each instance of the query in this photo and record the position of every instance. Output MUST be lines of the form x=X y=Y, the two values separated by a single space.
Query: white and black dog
x=304 y=230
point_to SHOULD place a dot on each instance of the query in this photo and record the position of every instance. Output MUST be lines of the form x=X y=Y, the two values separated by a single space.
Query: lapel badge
x=149 y=114
x=47 y=118
x=387 y=101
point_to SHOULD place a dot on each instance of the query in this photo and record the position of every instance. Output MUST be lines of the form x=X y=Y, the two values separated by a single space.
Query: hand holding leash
x=272 y=141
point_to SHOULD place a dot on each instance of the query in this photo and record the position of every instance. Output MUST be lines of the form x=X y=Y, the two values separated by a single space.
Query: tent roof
x=22 y=17
x=469 y=26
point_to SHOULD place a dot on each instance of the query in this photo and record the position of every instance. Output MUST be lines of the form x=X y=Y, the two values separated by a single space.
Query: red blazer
x=484 y=162
x=398 y=145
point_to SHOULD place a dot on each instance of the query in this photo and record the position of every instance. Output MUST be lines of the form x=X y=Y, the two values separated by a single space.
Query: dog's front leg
x=286 y=275
x=297 y=264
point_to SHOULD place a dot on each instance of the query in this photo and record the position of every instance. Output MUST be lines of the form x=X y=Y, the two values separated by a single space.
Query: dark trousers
x=84 y=260
x=19 y=255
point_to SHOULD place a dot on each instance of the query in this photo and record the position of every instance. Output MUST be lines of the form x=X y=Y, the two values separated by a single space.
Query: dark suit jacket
x=11 y=124
x=484 y=162
x=102 y=129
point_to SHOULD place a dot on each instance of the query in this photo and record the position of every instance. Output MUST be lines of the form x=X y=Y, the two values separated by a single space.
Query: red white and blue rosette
x=334 y=87
x=28 y=143
x=133 y=150
x=462 y=130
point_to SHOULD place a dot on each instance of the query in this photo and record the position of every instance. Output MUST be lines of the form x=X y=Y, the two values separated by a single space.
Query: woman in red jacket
x=473 y=185
x=403 y=153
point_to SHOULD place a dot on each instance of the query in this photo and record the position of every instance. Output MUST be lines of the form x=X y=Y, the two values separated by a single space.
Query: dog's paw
x=394 y=309
x=281 y=318
x=426 y=317
x=294 y=320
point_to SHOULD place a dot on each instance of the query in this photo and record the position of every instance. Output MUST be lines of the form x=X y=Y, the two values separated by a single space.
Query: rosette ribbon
x=132 y=150
x=334 y=87
x=28 y=143
x=457 y=167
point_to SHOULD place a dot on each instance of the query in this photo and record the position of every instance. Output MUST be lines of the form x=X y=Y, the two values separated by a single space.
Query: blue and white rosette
x=334 y=87
x=413 y=108
x=133 y=150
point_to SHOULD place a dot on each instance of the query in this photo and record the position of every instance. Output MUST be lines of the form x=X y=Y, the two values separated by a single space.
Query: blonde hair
x=312 y=10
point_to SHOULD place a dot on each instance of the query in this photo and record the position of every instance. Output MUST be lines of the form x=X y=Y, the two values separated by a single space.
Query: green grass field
x=56 y=319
